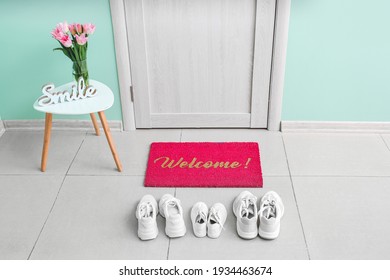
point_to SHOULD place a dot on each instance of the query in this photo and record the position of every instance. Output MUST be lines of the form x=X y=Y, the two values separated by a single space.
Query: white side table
x=102 y=101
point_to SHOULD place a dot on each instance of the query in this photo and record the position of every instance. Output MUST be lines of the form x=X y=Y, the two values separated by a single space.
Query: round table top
x=102 y=101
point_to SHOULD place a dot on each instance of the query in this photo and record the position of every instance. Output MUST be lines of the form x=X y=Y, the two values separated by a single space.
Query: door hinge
x=131 y=94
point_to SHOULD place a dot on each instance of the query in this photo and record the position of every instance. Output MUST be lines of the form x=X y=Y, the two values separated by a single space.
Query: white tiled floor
x=335 y=188
x=337 y=155
x=345 y=217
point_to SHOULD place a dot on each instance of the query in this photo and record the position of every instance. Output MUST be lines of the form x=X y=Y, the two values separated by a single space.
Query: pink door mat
x=204 y=164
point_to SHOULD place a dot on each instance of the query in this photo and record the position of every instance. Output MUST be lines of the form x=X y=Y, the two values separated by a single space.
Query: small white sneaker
x=170 y=208
x=216 y=220
x=245 y=209
x=199 y=213
x=271 y=211
x=146 y=214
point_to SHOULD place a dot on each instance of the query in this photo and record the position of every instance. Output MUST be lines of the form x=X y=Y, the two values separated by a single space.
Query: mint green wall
x=338 y=61
x=27 y=60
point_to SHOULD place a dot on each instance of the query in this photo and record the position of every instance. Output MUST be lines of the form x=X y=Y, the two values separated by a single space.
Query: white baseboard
x=335 y=127
x=83 y=125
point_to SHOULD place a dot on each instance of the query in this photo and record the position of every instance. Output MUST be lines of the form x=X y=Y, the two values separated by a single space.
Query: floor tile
x=345 y=218
x=25 y=202
x=272 y=154
x=94 y=218
x=95 y=158
x=20 y=152
x=289 y=245
x=337 y=154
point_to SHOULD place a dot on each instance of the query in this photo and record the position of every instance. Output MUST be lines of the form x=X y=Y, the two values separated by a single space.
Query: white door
x=200 y=63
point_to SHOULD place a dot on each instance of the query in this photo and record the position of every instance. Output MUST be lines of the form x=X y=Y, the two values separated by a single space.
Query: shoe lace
x=268 y=209
x=145 y=210
x=246 y=206
x=214 y=213
x=201 y=216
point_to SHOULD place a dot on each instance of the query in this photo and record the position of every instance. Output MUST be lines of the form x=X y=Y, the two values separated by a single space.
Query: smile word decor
x=204 y=164
x=77 y=92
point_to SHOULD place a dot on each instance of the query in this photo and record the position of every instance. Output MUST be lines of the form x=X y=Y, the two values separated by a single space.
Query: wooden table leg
x=46 y=140
x=106 y=128
x=95 y=124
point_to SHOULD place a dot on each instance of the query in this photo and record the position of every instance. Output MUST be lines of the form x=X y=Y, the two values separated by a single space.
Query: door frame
x=278 y=62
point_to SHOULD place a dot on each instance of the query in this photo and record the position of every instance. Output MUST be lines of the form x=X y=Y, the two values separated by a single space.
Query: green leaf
x=77 y=52
x=61 y=49
x=83 y=53
x=72 y=55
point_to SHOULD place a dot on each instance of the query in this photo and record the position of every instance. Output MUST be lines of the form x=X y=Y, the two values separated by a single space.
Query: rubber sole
x=148 y=235
x=269 y=234
x=173 y=233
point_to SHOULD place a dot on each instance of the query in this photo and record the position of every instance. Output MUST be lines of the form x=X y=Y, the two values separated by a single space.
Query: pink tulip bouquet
x=73 y=39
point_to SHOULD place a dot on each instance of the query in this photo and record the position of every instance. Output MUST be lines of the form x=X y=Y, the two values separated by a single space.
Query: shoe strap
x=201 y=216
x=213 y=212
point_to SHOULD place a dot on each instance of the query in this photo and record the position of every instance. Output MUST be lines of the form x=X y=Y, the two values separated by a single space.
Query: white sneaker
x=245 y=209
x=216 y=220
x=271 y=211
x=199 y=213
x=146 y=214
x=170 y=208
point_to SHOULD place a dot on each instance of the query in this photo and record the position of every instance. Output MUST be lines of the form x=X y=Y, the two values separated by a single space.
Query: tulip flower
x=72 y=29
x=81 y=40
x=89 y=28
x=79 y=28
x=57 y=33
x=63 y=26
x=66 y=41
x=60 y=30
